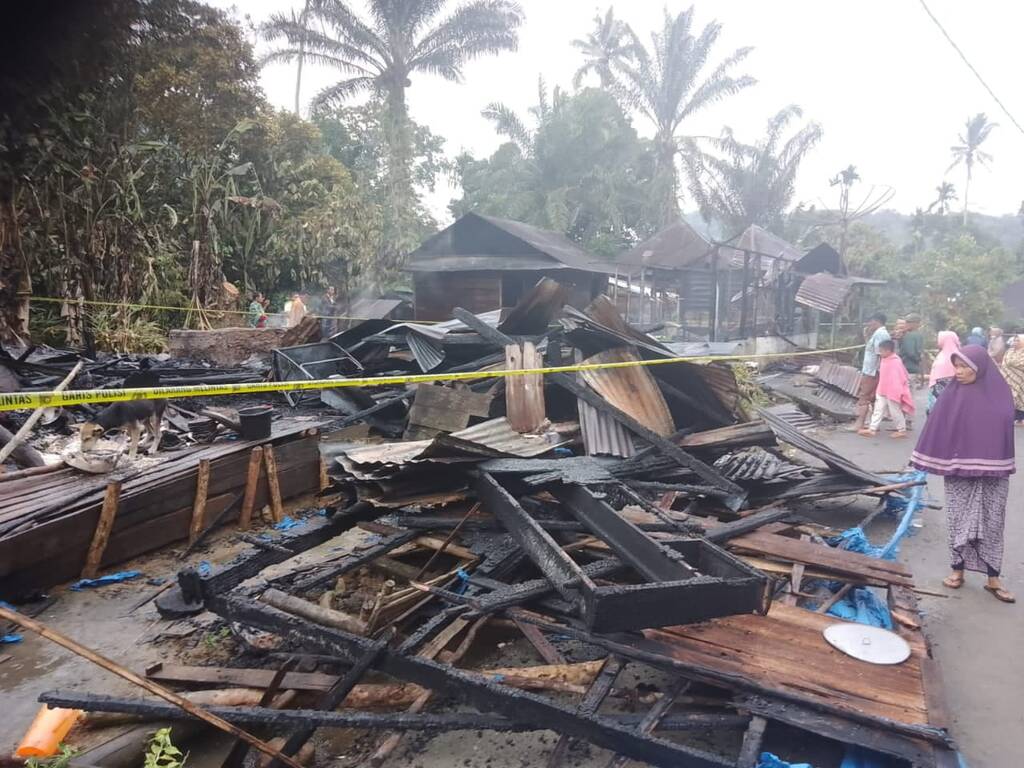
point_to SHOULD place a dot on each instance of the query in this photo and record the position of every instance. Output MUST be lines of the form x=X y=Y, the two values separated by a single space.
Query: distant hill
x=1007 y=230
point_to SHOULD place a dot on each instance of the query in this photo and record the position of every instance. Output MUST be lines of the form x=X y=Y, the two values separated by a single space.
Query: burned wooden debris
x=608 y=520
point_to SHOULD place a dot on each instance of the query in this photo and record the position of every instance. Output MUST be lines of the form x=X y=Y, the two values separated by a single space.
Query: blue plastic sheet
x=768 y=760
x=10 y=638
x=102 y=581
x=863 y=606
x=287 y=524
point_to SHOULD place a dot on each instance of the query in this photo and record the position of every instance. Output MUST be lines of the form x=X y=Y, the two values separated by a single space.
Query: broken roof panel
x=483 y=243
x=677 y=245
x=827 y=293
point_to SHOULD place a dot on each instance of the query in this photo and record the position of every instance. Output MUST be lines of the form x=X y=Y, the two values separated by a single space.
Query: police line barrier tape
x=19 y=401
x=130 y=305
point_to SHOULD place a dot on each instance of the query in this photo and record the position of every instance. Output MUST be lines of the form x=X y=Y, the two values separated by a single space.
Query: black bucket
x=255 y=422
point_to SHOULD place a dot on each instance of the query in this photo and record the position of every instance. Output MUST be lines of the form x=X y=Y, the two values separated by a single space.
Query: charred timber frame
x=485 y=694
x=676 y=594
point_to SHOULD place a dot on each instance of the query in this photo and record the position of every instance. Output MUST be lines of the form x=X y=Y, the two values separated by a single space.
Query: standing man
x=996 y=344
x=874 y=333
x=912 y=346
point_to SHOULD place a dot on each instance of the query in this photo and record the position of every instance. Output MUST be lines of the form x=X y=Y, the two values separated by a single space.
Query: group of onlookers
x=975 y=396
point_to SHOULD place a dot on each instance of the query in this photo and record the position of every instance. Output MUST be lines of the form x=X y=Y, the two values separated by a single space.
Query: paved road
x=977 y=640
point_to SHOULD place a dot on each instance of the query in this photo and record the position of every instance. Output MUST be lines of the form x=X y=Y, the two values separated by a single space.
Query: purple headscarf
x=970 y=430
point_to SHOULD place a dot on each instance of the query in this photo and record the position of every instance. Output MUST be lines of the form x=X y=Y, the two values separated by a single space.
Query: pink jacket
x=894 y=382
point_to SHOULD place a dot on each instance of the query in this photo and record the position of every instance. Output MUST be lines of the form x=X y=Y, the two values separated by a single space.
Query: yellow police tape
x=165 y=308
x=18 y=401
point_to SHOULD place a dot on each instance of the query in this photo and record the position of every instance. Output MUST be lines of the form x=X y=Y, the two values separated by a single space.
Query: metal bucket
x=255 y=422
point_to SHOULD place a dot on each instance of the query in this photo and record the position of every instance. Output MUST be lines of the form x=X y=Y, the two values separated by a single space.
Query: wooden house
x=483 y=263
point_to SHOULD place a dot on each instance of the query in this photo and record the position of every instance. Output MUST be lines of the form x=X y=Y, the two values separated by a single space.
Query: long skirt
x=975 y=515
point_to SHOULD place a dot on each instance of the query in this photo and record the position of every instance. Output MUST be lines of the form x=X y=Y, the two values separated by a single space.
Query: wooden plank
x=274 y=482
x=437 y=408
x=101 y=535
x=792 y=598
x=752 y=739
x=850 y=564
x=252 y=480
x=199 y=503
x=524 y=395
x=785 y=652
x=547 y=651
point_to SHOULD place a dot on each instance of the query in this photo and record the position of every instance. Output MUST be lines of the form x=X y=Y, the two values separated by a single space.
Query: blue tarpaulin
x=102 y=581
x=768 y=760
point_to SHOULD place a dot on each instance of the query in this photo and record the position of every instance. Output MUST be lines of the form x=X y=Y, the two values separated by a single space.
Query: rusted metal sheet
x=827 y=292
x=845 y=378
x=632 y=390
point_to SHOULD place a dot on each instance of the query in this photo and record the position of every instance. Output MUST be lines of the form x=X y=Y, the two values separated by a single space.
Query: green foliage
x=667 y=83
x=583 y=172
x=380 y=56
x=161 y=752
x=61 y=760
x=743 y=184
x=955 y=282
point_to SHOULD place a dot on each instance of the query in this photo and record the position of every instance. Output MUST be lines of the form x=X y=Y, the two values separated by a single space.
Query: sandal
x=953 y=582
x=866 y=432
x=1000 y=594
x=899 y=434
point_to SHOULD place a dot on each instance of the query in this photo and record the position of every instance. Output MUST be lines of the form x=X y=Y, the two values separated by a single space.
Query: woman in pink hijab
x=943 y=369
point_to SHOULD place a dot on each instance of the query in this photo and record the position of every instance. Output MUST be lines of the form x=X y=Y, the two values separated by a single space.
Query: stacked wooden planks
x=47 y=522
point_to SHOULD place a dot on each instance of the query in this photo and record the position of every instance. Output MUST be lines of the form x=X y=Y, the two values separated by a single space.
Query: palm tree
x=610 y=41
x=380 y=55
x=508 y=124
x=746 y=184
x=968 y=150
x=946 y=194
x=666 y=85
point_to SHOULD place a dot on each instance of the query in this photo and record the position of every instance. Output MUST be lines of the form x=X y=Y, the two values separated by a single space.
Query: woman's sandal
x=1000 y=594
x=953 y=582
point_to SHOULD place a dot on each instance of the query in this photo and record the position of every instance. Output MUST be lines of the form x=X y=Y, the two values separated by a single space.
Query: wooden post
x=199 y=503
x=102 y=533
x=252 y=481
x=524 y=395
x=325 y=481
x=273 y=484
x=157 y=690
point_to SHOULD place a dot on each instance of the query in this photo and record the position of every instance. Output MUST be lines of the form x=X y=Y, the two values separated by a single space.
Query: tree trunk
x=400 y=197
x=302 y=56
x=967 y=192
x=666 y=180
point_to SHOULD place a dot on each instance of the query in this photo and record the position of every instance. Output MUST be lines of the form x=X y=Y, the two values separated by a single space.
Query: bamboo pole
x=157 y=690
x=30 y=422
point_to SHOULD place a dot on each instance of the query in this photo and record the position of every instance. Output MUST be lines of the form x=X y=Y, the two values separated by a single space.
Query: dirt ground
x=974 y=636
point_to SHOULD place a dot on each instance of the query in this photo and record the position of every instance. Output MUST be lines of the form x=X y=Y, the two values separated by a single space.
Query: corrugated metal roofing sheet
x=677 y=245
x=602 y=435
x=632 y=390
x=845 y=378
x=826 y=292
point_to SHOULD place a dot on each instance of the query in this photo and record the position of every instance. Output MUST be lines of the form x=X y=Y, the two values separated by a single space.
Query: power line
x=970 y=66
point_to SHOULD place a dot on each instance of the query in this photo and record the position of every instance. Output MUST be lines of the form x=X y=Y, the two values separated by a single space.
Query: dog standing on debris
x=133 y=415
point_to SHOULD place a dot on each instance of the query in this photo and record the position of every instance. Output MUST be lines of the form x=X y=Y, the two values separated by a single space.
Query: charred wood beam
x=519 y=706
x=159 y=710
x=332 y=699
x=592 y=699
x=655 y=716
x=322 y=574
x=560 y=569
x=632 y=545
x=426 y=523
x=707 y=473
x=727 y=531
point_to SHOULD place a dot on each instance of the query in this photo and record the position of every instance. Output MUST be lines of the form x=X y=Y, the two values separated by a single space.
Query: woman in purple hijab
x=968 y=439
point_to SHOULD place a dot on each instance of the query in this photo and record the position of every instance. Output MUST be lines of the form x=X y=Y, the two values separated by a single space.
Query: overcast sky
x=889 y=91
